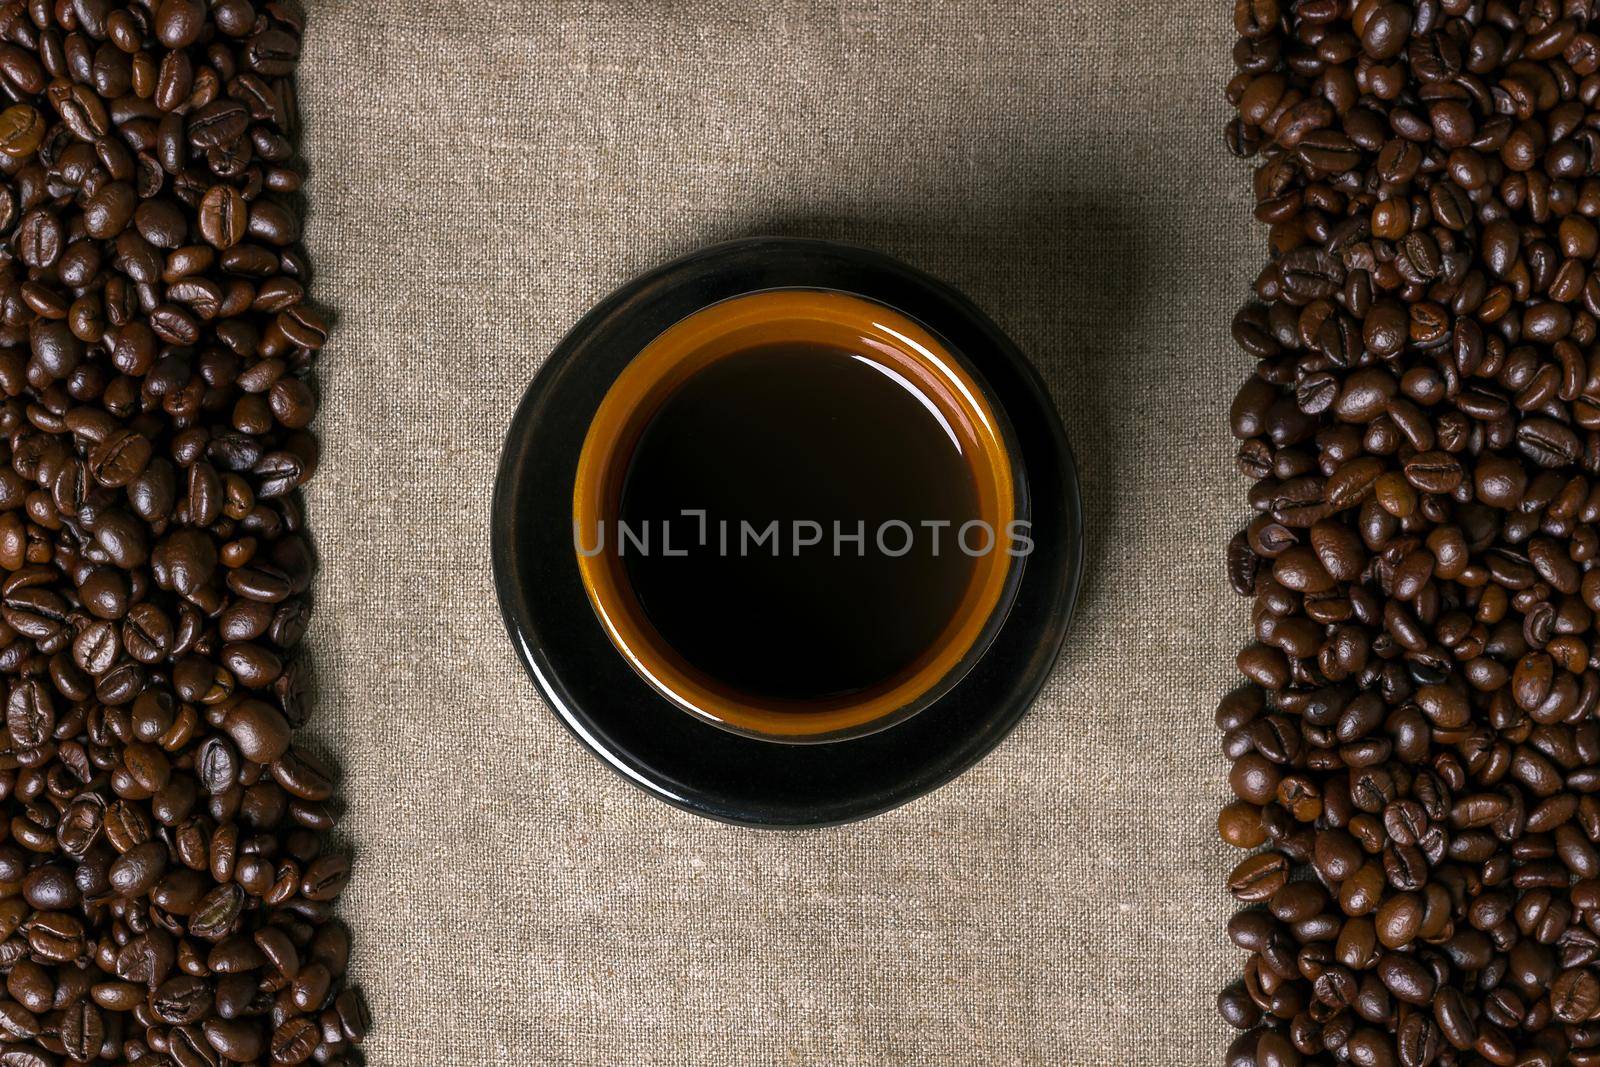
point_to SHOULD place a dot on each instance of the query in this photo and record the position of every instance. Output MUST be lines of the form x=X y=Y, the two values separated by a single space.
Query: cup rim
x=943 y=376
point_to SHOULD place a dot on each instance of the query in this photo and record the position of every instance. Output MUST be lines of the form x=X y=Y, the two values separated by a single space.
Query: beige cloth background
x=481 y=174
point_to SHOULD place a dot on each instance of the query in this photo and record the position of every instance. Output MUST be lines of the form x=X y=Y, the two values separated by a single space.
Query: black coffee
x=792 y=451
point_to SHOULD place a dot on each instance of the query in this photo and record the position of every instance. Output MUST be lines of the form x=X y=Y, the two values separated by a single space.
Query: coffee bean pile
x=166 y=884
x=1416 y=754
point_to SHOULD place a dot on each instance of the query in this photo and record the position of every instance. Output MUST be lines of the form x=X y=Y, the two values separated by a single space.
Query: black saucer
x=667 y=752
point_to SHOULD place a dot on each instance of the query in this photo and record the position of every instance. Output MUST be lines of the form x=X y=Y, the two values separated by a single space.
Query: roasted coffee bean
x=218 y=123
x=258 y=729
x=136 y=871
x=223 y=216
x=179 y=23
x=297 y=1039
x=1416 y=746
x=181 y=1000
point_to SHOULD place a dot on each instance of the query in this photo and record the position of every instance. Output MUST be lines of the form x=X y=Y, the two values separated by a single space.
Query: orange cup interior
x=775 y=317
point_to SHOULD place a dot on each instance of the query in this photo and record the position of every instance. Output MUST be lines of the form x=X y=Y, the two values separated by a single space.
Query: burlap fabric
x=481 y=173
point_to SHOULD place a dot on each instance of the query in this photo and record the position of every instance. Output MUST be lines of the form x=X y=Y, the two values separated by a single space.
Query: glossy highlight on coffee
x=768 y=449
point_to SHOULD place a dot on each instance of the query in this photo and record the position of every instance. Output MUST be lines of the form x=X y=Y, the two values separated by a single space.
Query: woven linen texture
x=482 y=173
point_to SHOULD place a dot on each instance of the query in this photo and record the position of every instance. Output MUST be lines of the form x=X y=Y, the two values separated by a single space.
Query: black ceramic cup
x=725 y=761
